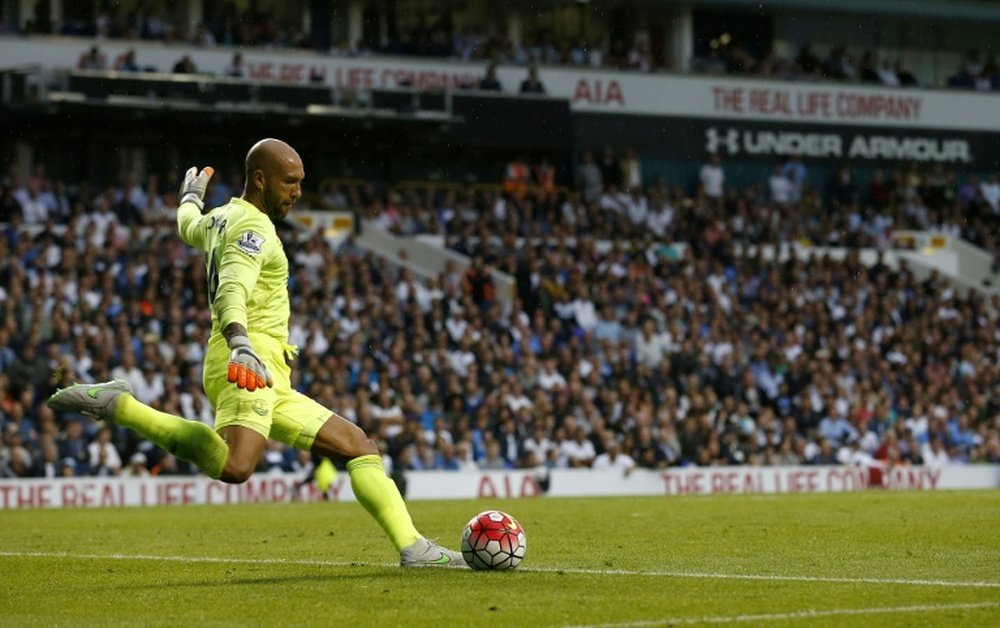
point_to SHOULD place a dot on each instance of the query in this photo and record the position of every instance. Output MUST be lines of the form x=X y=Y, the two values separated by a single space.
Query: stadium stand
x=655 y=319
x=749 y=43
x=694 y=355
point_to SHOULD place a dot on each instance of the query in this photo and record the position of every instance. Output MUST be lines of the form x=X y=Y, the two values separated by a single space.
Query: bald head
x=269 y=154
x=274 y=176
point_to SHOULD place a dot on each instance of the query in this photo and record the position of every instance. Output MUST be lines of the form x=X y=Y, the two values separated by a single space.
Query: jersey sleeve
x=245 y=247
x=188 y=220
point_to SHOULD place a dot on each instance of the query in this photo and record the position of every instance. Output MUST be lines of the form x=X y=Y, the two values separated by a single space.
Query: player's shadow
x=267 y=580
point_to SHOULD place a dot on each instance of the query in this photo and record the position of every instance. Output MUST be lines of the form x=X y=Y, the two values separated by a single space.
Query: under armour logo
x=731 y=140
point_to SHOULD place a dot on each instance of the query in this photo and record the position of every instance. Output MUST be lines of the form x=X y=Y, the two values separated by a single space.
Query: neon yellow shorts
x=281 y=412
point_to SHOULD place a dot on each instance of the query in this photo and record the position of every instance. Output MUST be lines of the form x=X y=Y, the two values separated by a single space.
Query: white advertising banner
x=599 y=91
x=736 y=480
x=266 y=488
x=156 y=491
x=696 y=481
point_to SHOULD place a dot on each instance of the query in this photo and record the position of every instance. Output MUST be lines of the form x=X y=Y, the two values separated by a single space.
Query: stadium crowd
x=227 y=24
x=975 y=71
x=618 y=350
x=611 y=199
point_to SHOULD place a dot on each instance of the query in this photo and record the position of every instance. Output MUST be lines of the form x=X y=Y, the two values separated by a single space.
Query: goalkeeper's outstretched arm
x=192 y=204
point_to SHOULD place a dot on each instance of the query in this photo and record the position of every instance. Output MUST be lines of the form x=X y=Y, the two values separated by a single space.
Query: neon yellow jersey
x=246 y=266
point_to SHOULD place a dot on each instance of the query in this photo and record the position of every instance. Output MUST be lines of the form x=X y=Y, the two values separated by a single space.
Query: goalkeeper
x=246 y=374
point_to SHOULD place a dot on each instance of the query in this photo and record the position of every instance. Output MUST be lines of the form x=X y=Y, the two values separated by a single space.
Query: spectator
x=166 y=467
x=237 y=67
x=152 y=385
x=906 y=77
x=798 y=176
x=92 y=59
x=852 y=455
x=887 y=74
x=807 y=62
x=613 y=458
x=478 y=283
x=48 y=464
x=868 y=68
x=589 y=178
x=493 y=461
x=463 y=455
x=611 y=168
x=780 y=187
x=73 y=448
x=387 y=413
x=490 y=82
x=786 y=454
x=550 y=379
x=650 y=454
x=838 y=64
x=446 y=458
x=104 y=458
x=990 y=189
x=825 y=454
x=136 y=466
x=544 y=175
x=934 y=453
x=712 y=178
x=660 y=217
x=517 y=177
x=631 y=170
x=579 y=451
x=841 y=191
x=584 y=310
x=650 y=346
x=203 y=37
x=879 y=190
x=15 y=460
x=185 y=65
x=539 y=444
x=127 y=62
x=532 y=84
x=34 y=210
x=69 y=468
x=639 y=58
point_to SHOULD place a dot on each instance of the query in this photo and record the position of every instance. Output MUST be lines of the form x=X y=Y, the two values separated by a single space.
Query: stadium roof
x=928 y=9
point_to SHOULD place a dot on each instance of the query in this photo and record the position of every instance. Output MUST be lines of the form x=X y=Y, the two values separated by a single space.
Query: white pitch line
x=771 y=577
x=806 y=614
x=561 y=570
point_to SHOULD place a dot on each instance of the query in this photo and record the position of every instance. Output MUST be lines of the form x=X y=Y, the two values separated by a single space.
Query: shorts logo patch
x=251 y=243
x=259 y=406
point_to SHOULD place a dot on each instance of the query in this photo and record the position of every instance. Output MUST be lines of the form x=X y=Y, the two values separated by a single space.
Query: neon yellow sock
x=380 y=497
x=192 y=441
x=326 y=475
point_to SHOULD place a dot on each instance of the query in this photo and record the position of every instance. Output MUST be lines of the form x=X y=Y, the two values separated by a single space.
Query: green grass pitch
x=861 y=559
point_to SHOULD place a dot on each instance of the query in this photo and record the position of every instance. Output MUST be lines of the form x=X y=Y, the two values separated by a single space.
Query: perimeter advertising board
x=493 y=485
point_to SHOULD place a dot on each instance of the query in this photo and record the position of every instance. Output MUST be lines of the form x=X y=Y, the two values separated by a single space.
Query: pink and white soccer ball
x=493 y=540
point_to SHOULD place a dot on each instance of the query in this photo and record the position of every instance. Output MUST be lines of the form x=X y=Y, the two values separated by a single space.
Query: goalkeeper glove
x=246 y=369
x=194 y=186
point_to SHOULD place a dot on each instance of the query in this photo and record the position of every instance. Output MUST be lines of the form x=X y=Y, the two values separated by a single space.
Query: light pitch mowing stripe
x=566 y=570
x=805 y=614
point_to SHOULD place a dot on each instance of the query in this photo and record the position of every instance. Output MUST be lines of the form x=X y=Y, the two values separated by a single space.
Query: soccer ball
x=493 y=540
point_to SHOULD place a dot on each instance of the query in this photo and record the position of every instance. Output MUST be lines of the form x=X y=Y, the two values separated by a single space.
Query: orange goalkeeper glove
x=246 y=369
